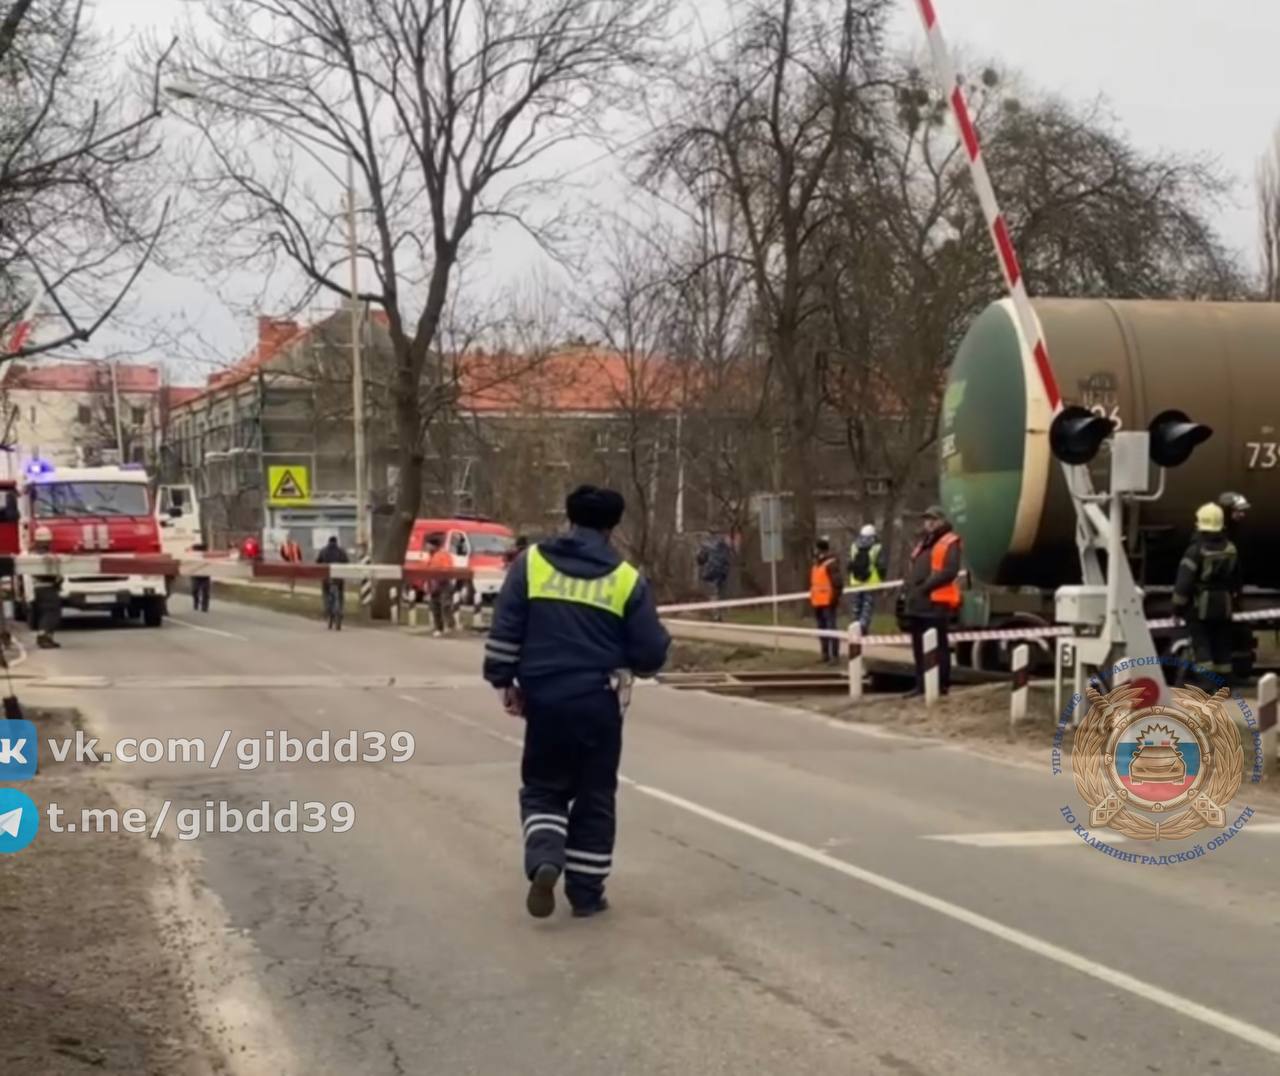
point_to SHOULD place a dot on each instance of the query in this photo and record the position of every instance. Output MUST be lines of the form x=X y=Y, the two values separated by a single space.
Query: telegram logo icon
x=19 y=820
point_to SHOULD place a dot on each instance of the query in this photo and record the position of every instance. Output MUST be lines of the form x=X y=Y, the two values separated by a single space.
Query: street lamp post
x=115 y=409
x=357 y=364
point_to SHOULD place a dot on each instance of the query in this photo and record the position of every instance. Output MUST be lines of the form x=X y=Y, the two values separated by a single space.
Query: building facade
x=507 y=436
x=281 y=417
x=65 y=413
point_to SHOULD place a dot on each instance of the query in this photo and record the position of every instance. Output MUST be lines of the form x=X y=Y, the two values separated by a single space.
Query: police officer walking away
x=573 y=619
x=1207 y=590
x=931 y=593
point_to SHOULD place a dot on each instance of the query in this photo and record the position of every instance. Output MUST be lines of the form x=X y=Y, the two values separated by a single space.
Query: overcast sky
x=1177 y=75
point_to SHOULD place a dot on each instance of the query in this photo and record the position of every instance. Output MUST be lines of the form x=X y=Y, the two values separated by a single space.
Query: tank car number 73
x=1263 y=455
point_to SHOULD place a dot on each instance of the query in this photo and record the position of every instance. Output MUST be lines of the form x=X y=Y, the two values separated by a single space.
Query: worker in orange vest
x=826 y=583
x=290 y=552
x=932 y=593
x=440 y=591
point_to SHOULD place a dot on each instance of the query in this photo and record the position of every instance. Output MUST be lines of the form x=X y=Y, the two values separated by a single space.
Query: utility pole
x=680 y=470
x=357 y=365
x=115 y=407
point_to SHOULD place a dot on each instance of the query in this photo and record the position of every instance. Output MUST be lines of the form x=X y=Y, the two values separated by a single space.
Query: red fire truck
x=93 y=510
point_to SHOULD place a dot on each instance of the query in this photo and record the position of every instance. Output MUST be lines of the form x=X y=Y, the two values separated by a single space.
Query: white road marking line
x=207 y=631
x=1036 y=838
x=1157 y=995
x=1029 y=838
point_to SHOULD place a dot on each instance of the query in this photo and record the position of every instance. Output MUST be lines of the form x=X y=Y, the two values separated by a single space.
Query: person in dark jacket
x=714 y=560
x=47 y=596
x=931 y=593
x=572 y=622
x=1236 y=508
x=1206 y=593
x=333 y=553
x=826 y=584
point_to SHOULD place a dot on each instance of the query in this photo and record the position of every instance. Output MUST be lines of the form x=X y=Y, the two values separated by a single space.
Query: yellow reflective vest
x=608 y=592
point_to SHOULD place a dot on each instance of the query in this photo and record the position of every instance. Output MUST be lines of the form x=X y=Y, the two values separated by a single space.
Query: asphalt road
x=780 y=902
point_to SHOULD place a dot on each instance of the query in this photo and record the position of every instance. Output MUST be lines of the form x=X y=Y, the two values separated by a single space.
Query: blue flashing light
x=39 y=467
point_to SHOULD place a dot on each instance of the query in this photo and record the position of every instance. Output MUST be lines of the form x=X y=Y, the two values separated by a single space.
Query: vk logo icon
x=19 y=747
x=19 y=820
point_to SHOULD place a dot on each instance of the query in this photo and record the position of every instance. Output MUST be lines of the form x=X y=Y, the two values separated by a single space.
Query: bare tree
x=767 y=124
x=1267 y=187
x=447 y=110
x=632 y=313
x=77 y=220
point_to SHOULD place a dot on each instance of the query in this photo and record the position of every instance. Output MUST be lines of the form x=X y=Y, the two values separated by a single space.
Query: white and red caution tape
x=767 y=599
x=220 y=568
x=949 y=84
x=973 y=636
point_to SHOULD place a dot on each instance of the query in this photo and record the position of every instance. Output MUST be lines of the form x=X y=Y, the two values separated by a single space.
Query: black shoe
x=586 y=911
x=44 y=642
x=541 y=901
x=914 y=693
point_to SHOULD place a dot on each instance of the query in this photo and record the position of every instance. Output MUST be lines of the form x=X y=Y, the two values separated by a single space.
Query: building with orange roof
x=287 y=403
x=63 y=412
x=510 y=434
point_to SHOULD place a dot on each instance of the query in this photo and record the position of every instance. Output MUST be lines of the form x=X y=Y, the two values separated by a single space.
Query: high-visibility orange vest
x=947 y=595
x=821 y=592
x=440 y=559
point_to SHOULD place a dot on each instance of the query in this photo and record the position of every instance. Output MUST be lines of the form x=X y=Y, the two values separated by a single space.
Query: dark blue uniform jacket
x=561 y=649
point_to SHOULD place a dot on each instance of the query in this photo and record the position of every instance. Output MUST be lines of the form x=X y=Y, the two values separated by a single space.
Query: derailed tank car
x=1128 y=360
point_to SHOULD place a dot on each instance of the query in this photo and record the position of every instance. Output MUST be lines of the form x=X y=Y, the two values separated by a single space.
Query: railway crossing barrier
x=930 y=650
x=855 y=661
x=1021 y=666
x=1267 y=724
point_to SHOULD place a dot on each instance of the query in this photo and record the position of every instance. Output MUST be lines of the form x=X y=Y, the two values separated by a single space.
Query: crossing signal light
x=1174 y=437
x=1077 y=433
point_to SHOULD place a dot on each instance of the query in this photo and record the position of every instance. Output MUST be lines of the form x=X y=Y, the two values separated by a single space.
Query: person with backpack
x=867 y=568
x=714 y=561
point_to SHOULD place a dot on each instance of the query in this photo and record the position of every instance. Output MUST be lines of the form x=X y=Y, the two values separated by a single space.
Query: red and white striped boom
x=217 y=568
x=949 y=84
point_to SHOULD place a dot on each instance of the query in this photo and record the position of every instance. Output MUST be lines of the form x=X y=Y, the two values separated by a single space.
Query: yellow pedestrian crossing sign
x=289 y=485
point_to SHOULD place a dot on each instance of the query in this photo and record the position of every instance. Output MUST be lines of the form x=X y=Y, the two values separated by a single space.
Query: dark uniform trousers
x=1242 y=652
x=47 y=600
x=569 y=776
x=200 y=587
x=1211 y=642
